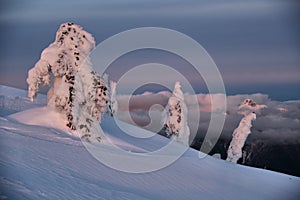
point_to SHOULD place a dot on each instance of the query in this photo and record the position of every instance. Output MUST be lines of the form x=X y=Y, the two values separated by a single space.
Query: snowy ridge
x=39 y=162
x=43 y=162
x=14 y=100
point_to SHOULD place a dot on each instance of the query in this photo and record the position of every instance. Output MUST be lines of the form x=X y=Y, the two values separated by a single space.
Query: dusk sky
x=255 y=44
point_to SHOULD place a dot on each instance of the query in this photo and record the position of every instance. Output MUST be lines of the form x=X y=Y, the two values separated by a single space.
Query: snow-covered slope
x=45 y=163
x=14 y=100
x=39 y=162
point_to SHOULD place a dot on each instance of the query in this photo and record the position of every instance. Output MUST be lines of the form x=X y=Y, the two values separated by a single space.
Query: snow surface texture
x=78 y=92
x=40 y=162
x=14 y=100
x=275 y=132
x=176 y=117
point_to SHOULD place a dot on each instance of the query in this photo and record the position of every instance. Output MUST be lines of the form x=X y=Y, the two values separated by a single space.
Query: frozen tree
x=175 y=122
x=77 y=91
x=113 y=106
x=241 y=133
x=239 y=137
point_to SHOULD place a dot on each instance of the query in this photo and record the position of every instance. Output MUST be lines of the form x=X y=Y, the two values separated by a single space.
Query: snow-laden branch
x=62 y=57
x=249 y=105
x=113 y=107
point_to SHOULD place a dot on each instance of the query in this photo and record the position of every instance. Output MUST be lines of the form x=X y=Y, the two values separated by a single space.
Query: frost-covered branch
x=113 y=106
x=249 y=105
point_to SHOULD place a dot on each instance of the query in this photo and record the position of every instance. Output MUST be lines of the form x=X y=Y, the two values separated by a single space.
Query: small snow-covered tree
x=239 y=137
x=241 y=133
x=175 y=122
x=78 y=92
x=113 y=106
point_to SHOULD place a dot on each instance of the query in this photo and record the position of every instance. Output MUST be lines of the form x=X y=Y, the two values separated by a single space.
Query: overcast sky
x=255 y=44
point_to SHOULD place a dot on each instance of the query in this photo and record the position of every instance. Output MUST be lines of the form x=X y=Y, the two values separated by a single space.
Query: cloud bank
x=278 y=123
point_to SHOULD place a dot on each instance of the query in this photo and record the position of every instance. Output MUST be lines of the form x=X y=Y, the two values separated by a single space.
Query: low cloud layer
x=278 y=123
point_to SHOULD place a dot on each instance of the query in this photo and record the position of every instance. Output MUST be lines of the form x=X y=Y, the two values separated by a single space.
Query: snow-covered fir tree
x=240 y=134
x=77 y=92
x=175 y=122
x=113 y=105
x=239 y=137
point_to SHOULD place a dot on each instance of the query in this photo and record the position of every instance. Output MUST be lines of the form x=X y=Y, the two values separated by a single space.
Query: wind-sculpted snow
x=273 y=139
x=14 y=100
x=40 y=162
x=37 y=162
